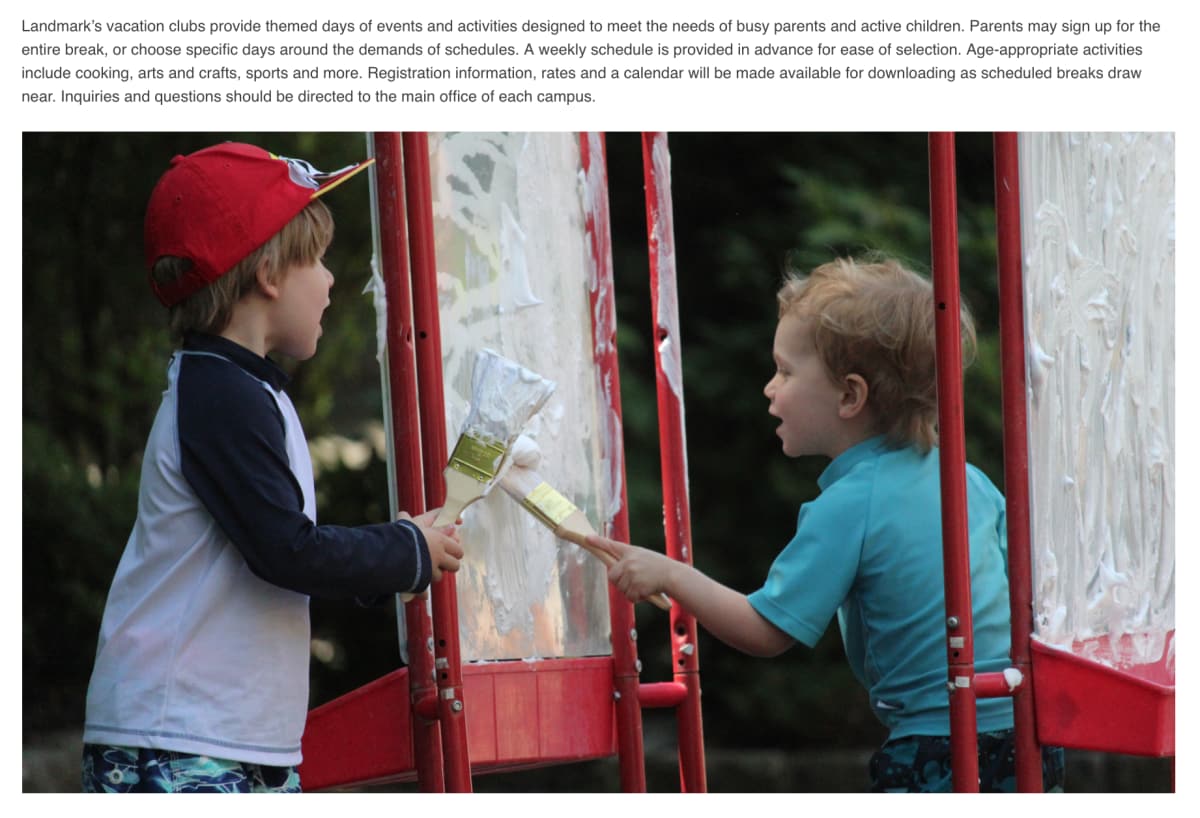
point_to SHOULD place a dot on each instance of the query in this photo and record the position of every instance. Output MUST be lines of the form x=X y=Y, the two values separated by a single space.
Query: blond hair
x=302 y=240
x=876 y=319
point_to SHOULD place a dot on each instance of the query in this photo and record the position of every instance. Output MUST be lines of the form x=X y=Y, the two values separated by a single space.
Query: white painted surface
x=513 y=276
x=1098 y=215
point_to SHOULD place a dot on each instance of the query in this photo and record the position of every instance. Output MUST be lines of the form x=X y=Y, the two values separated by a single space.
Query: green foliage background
x=746 y=205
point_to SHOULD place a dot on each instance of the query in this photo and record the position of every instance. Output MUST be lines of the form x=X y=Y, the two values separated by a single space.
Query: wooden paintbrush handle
x=560 y=515
x=578 y=536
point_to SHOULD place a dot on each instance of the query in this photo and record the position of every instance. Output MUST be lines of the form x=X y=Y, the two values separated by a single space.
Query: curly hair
x=876 y=318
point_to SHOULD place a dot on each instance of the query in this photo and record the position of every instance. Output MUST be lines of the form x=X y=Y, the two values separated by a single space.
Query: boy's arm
x=725 y=613
x=234 y=457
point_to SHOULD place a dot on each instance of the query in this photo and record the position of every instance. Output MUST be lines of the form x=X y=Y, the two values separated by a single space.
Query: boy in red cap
x=201 y=674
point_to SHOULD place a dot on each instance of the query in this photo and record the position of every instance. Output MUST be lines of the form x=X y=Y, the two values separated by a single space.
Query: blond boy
x=855 y=382
x=201 y=675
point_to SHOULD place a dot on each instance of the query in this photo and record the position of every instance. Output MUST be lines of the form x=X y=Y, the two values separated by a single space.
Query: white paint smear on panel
x=610 y=463
x=1098 y=215
x=670 y=354
x=514 y=277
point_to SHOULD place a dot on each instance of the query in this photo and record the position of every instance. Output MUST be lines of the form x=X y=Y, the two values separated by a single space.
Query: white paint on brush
x=525 y=453
x=504 y=397
x=1098 y=213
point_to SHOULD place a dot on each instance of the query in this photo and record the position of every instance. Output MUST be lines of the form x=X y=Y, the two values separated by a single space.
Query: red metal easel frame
x=416 y=723
x=684 y=692
x=1067 y=683
x=626 y=667
x=1016 y=453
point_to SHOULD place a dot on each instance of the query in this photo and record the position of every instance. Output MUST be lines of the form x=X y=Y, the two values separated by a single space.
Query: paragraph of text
x=99 y=61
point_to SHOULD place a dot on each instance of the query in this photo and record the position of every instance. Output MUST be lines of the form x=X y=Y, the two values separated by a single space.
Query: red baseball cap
x=218 y=205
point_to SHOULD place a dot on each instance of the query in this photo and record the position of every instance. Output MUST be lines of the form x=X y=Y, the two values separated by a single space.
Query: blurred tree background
x=746 y=206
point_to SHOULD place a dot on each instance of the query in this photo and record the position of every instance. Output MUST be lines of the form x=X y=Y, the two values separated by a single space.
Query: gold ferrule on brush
x=548 y=505
x=476 y=458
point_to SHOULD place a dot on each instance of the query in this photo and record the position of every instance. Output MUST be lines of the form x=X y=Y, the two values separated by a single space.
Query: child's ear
x=854 y=396
x=267 y=280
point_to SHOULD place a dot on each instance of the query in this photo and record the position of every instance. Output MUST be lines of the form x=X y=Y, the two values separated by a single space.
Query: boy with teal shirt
x=863 y=549
x=855 y=381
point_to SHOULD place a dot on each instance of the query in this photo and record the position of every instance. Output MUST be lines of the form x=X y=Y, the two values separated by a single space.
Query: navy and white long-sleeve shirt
x=204 y=642
x=234 y=455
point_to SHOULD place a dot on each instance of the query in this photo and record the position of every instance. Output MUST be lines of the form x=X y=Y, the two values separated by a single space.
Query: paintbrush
x=504 y=396
x=551 y=508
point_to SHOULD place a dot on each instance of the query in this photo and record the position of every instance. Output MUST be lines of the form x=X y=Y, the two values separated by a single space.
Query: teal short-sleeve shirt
x=869 y=548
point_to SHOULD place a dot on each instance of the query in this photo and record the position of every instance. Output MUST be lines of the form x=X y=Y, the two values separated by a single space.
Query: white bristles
x=504 y=396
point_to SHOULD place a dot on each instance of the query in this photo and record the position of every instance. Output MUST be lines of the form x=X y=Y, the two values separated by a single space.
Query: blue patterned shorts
x=922 y=764
x=137 y=769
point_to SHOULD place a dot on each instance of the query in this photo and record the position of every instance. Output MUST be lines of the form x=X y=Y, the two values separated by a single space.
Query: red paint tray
x=1087 y=704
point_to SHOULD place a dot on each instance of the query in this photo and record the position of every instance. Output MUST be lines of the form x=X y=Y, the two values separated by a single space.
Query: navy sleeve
x=233 y=455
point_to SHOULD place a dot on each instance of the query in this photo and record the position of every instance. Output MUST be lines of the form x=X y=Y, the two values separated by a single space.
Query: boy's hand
x=637 y=572
x=445 y=551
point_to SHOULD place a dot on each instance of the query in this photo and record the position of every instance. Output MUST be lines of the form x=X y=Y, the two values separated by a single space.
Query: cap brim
x=334 y=181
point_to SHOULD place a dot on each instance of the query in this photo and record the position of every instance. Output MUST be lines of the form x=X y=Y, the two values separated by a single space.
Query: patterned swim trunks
x=136 y=769
x=922 y=764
